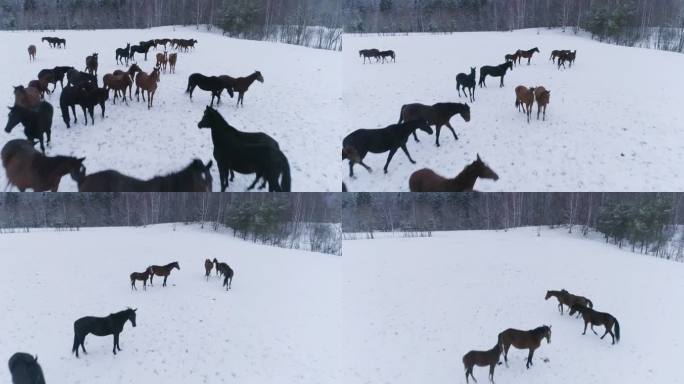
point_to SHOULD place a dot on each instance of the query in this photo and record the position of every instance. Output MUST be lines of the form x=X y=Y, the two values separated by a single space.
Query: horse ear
x=210 y=164
x=81 y=160
x=135 y=309
x=478 y=157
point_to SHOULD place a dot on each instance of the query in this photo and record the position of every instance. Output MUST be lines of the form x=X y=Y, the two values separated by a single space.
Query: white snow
x=413 y=307
x=614 y=122
x=280 y=322
x=299 y=104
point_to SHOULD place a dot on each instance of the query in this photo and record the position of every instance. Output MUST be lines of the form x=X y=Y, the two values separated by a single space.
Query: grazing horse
x=384 y=55
x=25 y=369
x=123 y=54
x=208 y=265
x=482 y=359
x=369 y=53
x=524 y=97
x=147 y=83
x=242 y=84
x=466 y=81
x=37 y=122
x=26 y=97
x=162 y=60
x=593 y=317
x=213 y=84
x=426 y=180
x=32 y=52
x=498 y=71
x=438 y=115
x=524 y=340
x=50 y=40
x=75 y=77
x=543 y=98
x=227 y=272
x=164 y=271
x=92 y=64
x=173 y=58
x=513 y=58
x=566 y=298
x=194 y=178
x=357 y=144
x=527 y=54
x=101 y=326
x=142 y=276
x=27 y=168
x=246 y=153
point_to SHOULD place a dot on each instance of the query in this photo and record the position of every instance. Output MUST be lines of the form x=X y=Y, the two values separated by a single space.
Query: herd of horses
x=235 y=151
x=531 y=339
x=414 y=117
x=378 y=55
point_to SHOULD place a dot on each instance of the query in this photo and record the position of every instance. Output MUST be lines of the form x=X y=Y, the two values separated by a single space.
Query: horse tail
x=617 y=330
x=75 y=347
x=286 y=184
x=65 y=111
x=187 y=90
x=401 y=114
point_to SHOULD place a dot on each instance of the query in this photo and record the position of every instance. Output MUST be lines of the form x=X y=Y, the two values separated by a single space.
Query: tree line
x=289 y=220
x=650 y=223
x=315 y=23
x=653 y=23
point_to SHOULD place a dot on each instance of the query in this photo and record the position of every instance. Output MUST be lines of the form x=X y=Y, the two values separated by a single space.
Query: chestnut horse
x=543 y=98
x=482 y=359
x=426 y=180
x=527 y=54
x=242 y=84
x=524 y=97
x=208 y=265
x=131 y=72
x=164 y=271
x=147 y=83
x=27 y=168
x=566 y=298
x=530 y=340
x=172 y=62
x=142 y=276
x=162 y=60
x=26 y=97
x=32 y=52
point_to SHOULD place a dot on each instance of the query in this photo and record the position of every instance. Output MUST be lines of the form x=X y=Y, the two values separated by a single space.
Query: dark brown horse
x=92 y=64
x=28 y=97
x=438 y=115
x=524 y=97
x=242 y=84
x=513 y=58
x=426 y=180
x=42 y=85
x=27 y=168
x=524 y=340
x=162 y=60
x=527 y=54
x=163 y=271
x=32 y=52
x=173 y=58
x=482 y=359
x=543 y=98
x=598 y=318
x=566 y=298
x=208 y=265
x=131 y=72
x=142 y=276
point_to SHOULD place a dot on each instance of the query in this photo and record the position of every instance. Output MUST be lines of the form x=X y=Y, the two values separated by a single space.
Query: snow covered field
x=613 y=123
x=413 y=307
x=299 y=104
x=278 y=324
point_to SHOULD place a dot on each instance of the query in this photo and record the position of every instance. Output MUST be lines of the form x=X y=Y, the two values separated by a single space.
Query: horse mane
x=540 y=330
x=449 y=107
x=121 y=313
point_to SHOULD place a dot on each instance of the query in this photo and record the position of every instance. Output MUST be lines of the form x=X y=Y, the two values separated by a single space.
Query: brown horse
x=41 y=85
x=543 y=97
x=164 y=271
x=426 y=180
x=162 y=60
x=28 y=98
x=32 y=52
x=208 y=265
x=147 y=83
x=566 y=56
x=142 y=276
x=513 y=58
x=26 y=168
x=438 y=115
x=172 y=62
x=242 y=84
x=132 y=71
x=526 y=54
x=598 y=318
x=524 y=340
x=566 y=298
x=92 y=64
x=482 y=359
x=524 y=97
x=119 y=83
x=556 y=54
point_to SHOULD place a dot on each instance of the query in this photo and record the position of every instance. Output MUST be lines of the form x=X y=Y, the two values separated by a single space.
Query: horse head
x=483 y=170
x=259 y=77
x=77 y=169
x=13 y=119
x=208 y=119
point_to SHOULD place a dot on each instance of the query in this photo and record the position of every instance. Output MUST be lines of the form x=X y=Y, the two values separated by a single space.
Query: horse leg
x=366 y=166
x=145 y=285
x=151 y=276
x=389 y=158
x=165 y=277
x=592 y=329
x=506 y=347
x=232 y=175
x=452 y=130
x=529 y=358
x=415 y=137
x=585 y=327
x=439 y=129
x=133 y=285
x=544 y=113
x=403 y=148
x=502 y=82
x=254 y=183
x=351 y=168
x=73 y=109
x=491 y=372
x=116 y=341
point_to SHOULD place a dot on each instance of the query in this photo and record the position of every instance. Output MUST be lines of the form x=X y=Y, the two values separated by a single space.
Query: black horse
x=37 y=122
x=54 y=75
x=227 y=272
x=194 y=178
x=498 y=71
x=439 y=115
x=76 y=77
x=357 y=144
x=464 y=81
x=101 y=326
x=25 y=369
x=123 y=54
x=246 y=153
x=143 y=48
x=213 y=84
x=87 y=97
x=369 y=53
x=387 y=55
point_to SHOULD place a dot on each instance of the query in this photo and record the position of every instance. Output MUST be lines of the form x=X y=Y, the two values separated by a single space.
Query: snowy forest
x=648 y=23
x=314 y=23
x=297 y=220
x=649 y=223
